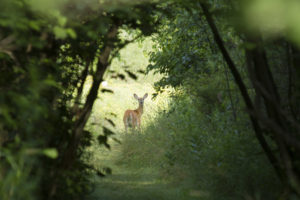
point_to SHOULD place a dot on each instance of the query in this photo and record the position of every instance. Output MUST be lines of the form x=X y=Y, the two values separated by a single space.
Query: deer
x=132 y=118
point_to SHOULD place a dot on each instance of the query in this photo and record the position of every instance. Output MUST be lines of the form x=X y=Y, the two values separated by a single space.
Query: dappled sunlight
x=113 y=105
x=128 y=179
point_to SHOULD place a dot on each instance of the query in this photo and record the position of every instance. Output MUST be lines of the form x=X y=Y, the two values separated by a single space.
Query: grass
x=129 y=181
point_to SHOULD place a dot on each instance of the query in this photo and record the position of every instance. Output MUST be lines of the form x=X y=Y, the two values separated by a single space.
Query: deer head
x=140 y=100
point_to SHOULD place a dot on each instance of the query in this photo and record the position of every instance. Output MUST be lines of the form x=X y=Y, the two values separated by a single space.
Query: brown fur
x=132 y=118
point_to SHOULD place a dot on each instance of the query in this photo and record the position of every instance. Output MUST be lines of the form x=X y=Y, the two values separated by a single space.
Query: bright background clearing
x=127 y=182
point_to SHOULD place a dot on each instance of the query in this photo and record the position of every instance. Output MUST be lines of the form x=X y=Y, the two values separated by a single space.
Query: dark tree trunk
x=92 y=96
x=81 y=81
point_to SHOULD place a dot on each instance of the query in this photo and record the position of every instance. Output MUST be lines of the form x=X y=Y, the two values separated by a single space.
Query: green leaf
x=71 y=33
x=102 y=139
x=51 y=153
x=107 y=132
x=60 y=33
x=62 y=20
x=34 y=25
x=107 y=91
x=53 y=83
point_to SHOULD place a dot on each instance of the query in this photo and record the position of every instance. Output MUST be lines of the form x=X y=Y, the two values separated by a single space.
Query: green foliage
x=53 y=52
x=17 y=182
x=29 y=83
x=177 y=49
x=219 y=156
x=184 y=48
x=205 y=136
x=44 y=50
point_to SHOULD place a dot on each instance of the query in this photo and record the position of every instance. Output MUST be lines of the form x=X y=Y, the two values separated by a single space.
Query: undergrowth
x=212 y=153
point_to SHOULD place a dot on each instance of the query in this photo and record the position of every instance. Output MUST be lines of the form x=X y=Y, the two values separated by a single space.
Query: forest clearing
x=149 y=100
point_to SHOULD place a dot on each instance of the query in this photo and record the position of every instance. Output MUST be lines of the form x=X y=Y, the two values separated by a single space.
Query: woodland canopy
x=221 y=120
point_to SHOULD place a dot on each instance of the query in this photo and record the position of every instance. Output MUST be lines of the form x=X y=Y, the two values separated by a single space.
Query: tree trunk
x=276 y=122
x=81 y=81
x=257 y=129
x=92 y=96
x=69 y=155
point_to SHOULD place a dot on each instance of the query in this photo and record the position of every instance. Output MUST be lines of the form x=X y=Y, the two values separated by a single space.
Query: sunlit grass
x=112 y=106
x=139 y=181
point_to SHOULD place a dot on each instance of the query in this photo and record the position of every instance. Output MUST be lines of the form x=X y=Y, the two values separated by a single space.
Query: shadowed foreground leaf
x=131 y=75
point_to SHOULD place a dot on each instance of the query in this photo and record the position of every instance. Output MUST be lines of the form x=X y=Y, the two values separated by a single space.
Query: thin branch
x=92 y=96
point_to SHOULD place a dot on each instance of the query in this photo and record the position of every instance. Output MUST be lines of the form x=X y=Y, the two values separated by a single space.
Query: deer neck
x=140 y=109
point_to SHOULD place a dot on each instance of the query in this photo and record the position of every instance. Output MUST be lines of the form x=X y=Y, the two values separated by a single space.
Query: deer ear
x=145 y=96
x=135 y=96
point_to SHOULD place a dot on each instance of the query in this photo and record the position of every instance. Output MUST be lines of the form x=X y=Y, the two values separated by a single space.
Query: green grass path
x=127 y=183
x=130 y=182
